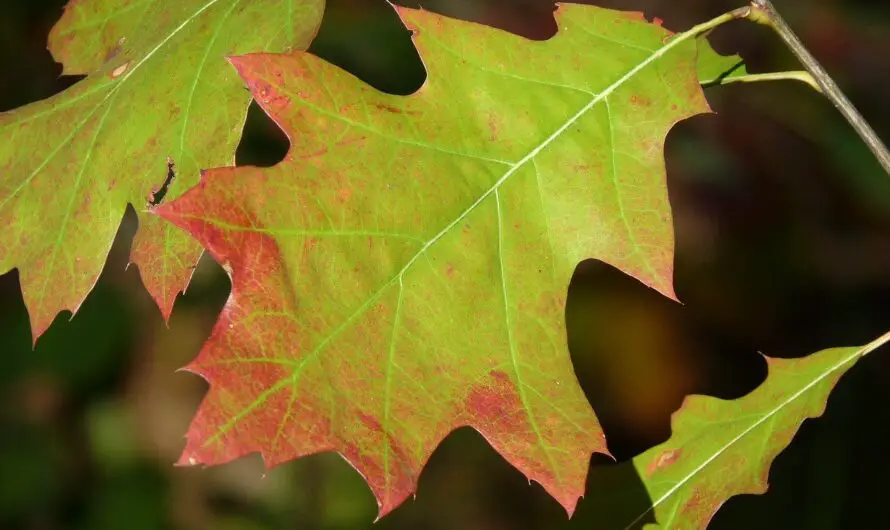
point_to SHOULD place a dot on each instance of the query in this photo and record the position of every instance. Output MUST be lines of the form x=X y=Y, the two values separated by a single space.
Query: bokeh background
x=783 y=247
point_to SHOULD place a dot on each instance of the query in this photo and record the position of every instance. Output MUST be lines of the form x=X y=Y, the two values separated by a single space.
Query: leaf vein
x=520 y=387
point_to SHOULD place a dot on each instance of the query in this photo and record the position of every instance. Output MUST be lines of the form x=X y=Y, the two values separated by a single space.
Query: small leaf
x=404 y=271
x=713 y=67
x=159 y=92
x=723 y=448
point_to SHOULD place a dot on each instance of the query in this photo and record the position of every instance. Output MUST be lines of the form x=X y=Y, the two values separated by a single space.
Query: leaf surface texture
x=404 y=271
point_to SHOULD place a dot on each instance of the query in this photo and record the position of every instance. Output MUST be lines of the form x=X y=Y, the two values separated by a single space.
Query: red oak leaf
x=404 y=271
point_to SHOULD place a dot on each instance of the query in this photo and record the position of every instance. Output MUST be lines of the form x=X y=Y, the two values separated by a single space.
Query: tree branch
x=763 y=12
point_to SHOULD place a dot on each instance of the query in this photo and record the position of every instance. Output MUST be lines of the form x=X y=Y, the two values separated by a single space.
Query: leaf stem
x=763 y=12
x=706 y=27
x=875 y=344
x=794 y=75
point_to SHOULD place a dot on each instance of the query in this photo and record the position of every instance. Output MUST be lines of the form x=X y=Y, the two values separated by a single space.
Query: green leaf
x=722 y=448
x=404 y=271
x=713 y=67
x=159 y=93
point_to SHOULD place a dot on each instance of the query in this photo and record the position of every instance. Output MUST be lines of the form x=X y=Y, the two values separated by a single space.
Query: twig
x=795 y=75
x=706 y=27
x=763 y=12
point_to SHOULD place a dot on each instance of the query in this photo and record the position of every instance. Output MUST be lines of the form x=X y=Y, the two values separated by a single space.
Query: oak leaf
x=159 y=96
x=403 y=271
x=721 y=448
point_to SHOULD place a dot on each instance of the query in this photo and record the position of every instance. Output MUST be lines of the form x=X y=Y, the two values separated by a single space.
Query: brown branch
x=763 y=12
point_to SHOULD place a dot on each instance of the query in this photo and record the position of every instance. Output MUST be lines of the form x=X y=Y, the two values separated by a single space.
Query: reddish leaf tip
x=186 y=460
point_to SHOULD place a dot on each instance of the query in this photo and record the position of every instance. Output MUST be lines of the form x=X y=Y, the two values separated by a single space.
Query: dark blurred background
x=783 y=247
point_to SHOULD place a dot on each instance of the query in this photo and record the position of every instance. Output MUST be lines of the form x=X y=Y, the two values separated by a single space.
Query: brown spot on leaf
x=492 y=128
x=665 y=459
x=112 y=53
x=640 y=101
x=117 y=72
x=388 y=108
x=269 y=97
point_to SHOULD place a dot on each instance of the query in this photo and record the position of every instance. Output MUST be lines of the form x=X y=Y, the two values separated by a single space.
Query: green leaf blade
x=158 y=91
x=404 y=271
x=721 y=448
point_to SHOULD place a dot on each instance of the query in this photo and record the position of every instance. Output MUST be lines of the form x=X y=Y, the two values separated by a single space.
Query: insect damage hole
x=158 y=195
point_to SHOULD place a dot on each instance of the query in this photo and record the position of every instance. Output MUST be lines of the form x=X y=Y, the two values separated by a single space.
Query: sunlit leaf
x=404 y=271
